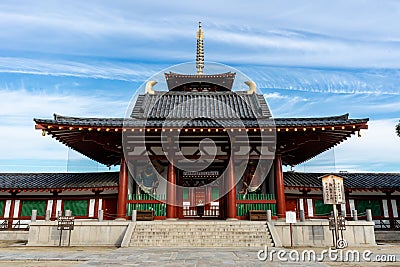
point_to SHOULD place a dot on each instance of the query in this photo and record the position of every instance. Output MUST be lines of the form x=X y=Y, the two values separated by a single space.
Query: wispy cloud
x=375 y=151
x=378 y=147
x=357 y=34
x=18 y=138
x=83 y=68
x=85 y=58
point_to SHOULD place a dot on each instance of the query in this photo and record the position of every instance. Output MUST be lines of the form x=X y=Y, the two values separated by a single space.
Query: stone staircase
x=200 y=234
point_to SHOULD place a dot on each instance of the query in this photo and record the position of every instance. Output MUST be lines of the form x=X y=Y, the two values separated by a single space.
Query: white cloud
x=20 y=141
x=357 y=34
x=376 y=151
x=92 y=69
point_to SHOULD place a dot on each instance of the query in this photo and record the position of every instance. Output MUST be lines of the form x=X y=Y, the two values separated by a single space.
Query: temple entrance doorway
x=200 y=195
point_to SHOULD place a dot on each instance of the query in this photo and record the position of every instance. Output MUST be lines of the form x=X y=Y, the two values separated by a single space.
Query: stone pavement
x=110 y=256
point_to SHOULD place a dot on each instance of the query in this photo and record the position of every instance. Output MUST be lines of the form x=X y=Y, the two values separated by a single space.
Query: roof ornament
x=252 y=87
x=200 y=51
x=149 y=87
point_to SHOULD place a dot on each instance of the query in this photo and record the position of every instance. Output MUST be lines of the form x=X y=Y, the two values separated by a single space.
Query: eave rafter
x=298 y=140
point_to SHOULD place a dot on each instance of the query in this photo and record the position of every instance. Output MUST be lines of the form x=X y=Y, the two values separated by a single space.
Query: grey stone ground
x=19 y=255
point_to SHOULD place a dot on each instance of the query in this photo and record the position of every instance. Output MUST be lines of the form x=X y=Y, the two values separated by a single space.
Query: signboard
x=333 y=189
x=65 y=223
x=290 y=217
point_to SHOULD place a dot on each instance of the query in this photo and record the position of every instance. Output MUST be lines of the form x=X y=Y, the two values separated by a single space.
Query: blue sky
x=309 y=58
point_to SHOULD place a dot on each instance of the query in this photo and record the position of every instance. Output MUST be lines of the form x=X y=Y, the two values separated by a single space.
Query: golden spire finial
x=200 y=50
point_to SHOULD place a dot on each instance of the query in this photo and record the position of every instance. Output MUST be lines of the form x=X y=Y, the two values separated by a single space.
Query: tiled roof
x=355 y=181
x=58 y=181
x=100 y=138
x=279 y=122
x=216 y=105
x=223 y=79
x=317 y=121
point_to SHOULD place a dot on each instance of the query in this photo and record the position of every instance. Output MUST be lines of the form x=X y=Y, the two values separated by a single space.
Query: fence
x=14 y=224
x=246 y=202
x=147 y=202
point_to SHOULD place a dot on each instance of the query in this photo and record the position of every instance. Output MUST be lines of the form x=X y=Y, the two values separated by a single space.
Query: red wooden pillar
x=171 y=192
x=209 y=195
x=96 y=203
x=305 y=204
x=222 y=200
x=231 y=185
x=53 y=215
x=347 y=198
x=192 y=197
x=179 y=196
x=12 y=207
x=122 y=189
x=279 y=187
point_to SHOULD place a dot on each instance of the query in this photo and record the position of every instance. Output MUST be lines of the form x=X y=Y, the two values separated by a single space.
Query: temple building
x=194 y=140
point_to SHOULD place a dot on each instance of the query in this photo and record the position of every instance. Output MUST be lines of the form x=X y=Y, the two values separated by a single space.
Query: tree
x=398 y=129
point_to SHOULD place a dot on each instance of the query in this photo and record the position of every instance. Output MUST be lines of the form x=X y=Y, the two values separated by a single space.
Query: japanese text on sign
x=66 y=223
x=333 y=190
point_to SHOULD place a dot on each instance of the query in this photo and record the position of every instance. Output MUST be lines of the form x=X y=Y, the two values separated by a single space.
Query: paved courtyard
x=20 y=255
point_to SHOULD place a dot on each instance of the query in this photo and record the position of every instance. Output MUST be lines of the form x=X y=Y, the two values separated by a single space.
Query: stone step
x=200 y=234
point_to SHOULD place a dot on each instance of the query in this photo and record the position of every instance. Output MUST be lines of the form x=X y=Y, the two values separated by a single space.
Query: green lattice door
x=374 y=205
x=29 y=205
x=322 y=209
x=2 y=204
x=77 y=207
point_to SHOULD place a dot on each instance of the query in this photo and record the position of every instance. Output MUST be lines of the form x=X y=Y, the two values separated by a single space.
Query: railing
x=388 y=224
x=209 y=210
x=13 y=225
x=147 y=202
x=246 y=202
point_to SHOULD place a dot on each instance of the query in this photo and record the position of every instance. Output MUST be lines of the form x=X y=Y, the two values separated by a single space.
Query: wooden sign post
x=65 y=223
x=290 y=219
x=333 y=194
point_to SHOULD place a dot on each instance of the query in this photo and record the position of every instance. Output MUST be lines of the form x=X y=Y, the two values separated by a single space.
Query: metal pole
x=291 y=236
x=59 y=243
x=69 y=238
x=336 y=226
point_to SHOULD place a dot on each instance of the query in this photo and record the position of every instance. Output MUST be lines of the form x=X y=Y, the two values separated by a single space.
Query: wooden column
x=12 y=206
x=171 y=192
x=279 y=187
x=122 y=189
x=390 y=209
x=305 y=204
x=208 y=195
x=222 y=200
x=96 y=203
x=179 y=195
x=53 y=215
x=347 y=198
x=231 y=186
x=192 y=196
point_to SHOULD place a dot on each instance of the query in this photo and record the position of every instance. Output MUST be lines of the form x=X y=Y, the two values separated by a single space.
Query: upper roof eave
x=120 y=122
